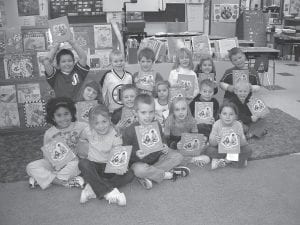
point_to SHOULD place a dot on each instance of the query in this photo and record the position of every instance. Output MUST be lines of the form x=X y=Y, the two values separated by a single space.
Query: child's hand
x=230 y=88
x=179 y=145
x=254 y=118
x=165 y=149
x=218 y=138
x=140 y=153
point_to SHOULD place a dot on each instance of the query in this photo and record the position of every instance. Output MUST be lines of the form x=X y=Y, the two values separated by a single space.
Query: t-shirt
x=100 y=145
x=112 y=84
x=157 y=77
x=68 y=85
x=161 y=112
x=174 y=127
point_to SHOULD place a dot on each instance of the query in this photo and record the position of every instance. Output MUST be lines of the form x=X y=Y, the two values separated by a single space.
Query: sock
x=168 y=176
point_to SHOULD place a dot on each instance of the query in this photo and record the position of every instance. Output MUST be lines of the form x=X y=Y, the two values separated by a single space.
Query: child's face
x=206 y=92
x=206 y=66
x=89 y=94
x=180 y=110
x=145 y=64
x=242 y=92
x=184 y=60
x=128 y=98
x=66 y=63
x=101 y=124
x=162 y=92
x=227 y=115
x=238 y=60
x=62 y=117
x=145 y=113
x=117 y=62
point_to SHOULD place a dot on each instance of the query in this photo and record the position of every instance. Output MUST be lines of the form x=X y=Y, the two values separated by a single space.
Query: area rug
x=17 y=150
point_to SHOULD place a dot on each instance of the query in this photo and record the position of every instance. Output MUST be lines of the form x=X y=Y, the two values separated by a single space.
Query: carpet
x=17 y=150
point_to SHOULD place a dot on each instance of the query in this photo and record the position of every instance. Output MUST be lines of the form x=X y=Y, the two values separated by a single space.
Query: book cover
x=118 y=161
x=60 y=29
x=40 y=56
x=173 y=45
x=13 y=40
x=29 y=92
x=192 y=144
x=230 y=141
x=176 y=92
x=201 y=44
x=224 y=45
x=149 y=138
x=83 y=109
x=58 y=153
x=99 y=60
x=145 y=80
x=238 y=75
x=83 y=36
x=2 y=41
x=18 y=66
x=34 y=40
x=153 y=44
x=206 y=76
x=34 y=114
x=9 y=115
x=128 y=117
x=188 y=83
x=257 y=107
x=204 y=112
x=103 y=36
x=8 y=93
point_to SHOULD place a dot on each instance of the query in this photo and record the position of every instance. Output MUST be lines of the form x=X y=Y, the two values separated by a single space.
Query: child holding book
x=91 y=91
x=161 y=102
x=61 y=113
x=67 y=79
x=113 y=80
x=238 y=59
x=125 y=116
x=156 y=166
x=146 y=77
x=183 y=65
x=101 y=138
x=206 y=95
x=206 y=68
x=228 y=120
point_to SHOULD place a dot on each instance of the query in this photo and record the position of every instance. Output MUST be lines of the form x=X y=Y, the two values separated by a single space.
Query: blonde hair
x=174 y=102
x=113 y=53
x=96 y=111
x=179 y=54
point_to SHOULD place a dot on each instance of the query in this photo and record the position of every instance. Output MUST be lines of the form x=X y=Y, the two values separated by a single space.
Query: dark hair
x=234 y=51
x=54 y=103
x=228 y=103
x=204 y=58
x=64 y=52
x=148 y=53
x=208 y=83
x=143 y=98
x=127 y=87
x=93 y=84
x=159 y=83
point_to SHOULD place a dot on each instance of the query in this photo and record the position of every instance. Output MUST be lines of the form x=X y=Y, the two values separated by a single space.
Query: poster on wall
x=226 y=12
x=34 y=114
x=103 y=36
x=8 y=93
x=18 y=66
x=9 y=115
x=28 y=92
x=28 y=7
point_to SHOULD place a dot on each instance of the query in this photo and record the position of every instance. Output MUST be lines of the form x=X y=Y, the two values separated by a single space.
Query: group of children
x=127 y=101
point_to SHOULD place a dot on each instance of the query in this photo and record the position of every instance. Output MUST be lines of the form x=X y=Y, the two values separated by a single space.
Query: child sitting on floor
x=161 y=102
x=156 y=166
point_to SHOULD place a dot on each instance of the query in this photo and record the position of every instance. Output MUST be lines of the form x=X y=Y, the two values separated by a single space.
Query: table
x=255 y=52
x=246 y=43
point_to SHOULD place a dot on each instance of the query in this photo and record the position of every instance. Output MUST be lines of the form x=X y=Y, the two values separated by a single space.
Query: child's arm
x=214 y=137
x=81 y=53
x=173 y=78
x=47 y=61
x=226 y=87
x=196 y=88
x=240 y=132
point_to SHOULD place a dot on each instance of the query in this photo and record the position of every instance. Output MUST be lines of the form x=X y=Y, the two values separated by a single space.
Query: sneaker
x=217 y=163
x=76 y=182
x=146 y=183
x=87 y=193
x=32 y=183
x=201 y=160
x=115 y=196
x=180 y=171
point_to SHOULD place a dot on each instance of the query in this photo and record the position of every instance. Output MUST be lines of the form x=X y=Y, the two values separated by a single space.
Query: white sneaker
x=146 y=183
x=115 y=196
x=77 y=181
x=217 y=163
x=87 y=193
x=32 y=183
x=200 y=160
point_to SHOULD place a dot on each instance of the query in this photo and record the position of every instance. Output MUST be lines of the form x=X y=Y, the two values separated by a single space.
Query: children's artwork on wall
x=103 y=36
x=240 y=75
x=226 y=12
x=99 y=60
x=83 y=109
x=2 y=41
x=28 y=7
x=83 y=36
x=18 y=66
x=258 y=107
x=230 y=141
x=192 y=144
x=60 y=29
x=34 y=40
x=13 y=40
x=118 y=160
x=9 y=115
x=34 y=114
x=8 y=94
x=204 y=112
x=40 y=56
x=28 y=92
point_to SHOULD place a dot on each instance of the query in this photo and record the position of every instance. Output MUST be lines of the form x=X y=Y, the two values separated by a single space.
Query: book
x=257 y=107
x=13 y=40
x=154 y=44
x=128 y=117
x=118 y=161
x=173 y=45
x=83 y=36
x=60 y=29
x=145 y=80
x=188 y=83
x=40 y=56
x=58 y=153
x=103 y=36
x=230 y=141
x=149 y=138
x=18 y=66
x=34 y=114
x=201 y=45
x=224 y=45
x=238 y=75
x=83 y=109
x=8 y=93
x=99 y=60
x=176 y=92
x=204 y=112
x=34 y=40
x=192 y=144
x=29 y=92
x=2 y=41
x=205 y=76
x=9 y=117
